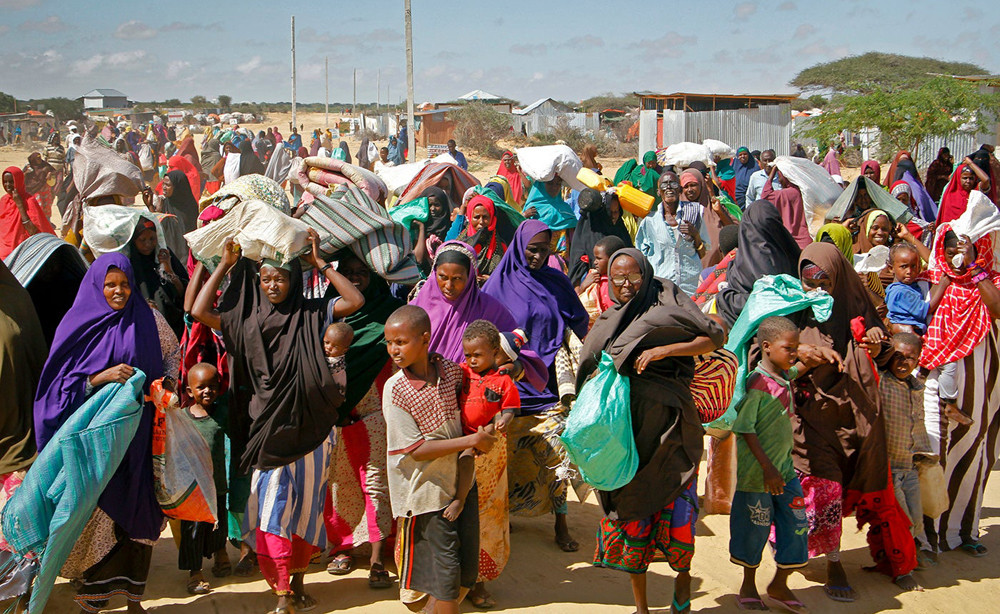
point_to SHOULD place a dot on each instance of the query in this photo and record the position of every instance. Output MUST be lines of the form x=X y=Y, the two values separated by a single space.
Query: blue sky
x=524 y=50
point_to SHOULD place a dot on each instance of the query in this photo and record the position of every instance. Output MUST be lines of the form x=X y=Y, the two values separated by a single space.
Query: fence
x=765 y=127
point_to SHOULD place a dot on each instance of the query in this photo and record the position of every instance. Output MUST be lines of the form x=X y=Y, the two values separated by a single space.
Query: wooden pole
x=294 y=122
x=326 y=64
x=412 y=140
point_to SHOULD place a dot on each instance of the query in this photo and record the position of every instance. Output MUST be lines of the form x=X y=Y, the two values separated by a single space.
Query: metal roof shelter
x=685 y=101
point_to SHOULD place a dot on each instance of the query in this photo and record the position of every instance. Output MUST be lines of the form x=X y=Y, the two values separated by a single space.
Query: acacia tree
x=480 y=126
x=870 y=72
x=904 y=118
x=225 y=101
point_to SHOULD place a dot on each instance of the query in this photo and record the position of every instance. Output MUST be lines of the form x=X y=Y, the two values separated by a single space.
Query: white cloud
x=134 y=30
x=671 y=44
x=176 y=68
x=787 y=6
x=745 y=9
x=49 y=25
x=251 y=65
x=529 y=50
x=804 y=30
x=114 y=60
x=587 y=40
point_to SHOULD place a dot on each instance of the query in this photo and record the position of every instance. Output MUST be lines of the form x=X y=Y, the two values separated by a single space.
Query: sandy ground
x=540 y=578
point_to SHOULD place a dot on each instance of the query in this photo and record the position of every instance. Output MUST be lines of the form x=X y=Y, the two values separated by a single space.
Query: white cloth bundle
x=261 y=231
x=681 y=155
x=109 y=228
x=718 y=148
x=819 y=190
x=545 y=162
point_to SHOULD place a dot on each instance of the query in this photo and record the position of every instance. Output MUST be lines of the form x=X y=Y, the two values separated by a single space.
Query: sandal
x=304 y=603
x=378 y=577
x=974 y=549
x=222 y=570
x=829 y=590
x=569 y=545
x=751 y=603
x=680 y=608
x=792 y=605
x=244 y=568
x=483 y=602
x=198 y=587
x=341 y=565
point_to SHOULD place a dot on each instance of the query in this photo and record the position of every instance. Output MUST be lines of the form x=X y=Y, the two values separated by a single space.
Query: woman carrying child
x=652 y=334
x=963 y=332
x=358 y=511
x=840 y=449
x=274 y=337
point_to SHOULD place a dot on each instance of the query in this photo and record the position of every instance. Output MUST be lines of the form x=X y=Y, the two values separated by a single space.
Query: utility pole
x=412 y=136
x=354 y=106
x=294 y=123
x=378 y=91
x=326 y=64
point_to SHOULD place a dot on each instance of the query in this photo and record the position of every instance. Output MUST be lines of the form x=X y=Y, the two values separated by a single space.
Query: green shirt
x=212 y=429
x=765 y=412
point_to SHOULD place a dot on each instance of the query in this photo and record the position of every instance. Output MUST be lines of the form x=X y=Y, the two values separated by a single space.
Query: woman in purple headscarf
x=108 y=334
x=544 y=305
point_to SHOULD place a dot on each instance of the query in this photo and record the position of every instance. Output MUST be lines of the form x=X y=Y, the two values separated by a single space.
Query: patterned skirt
x=630 y=545
x=357 y=509
x=494 y=520
x=534 y=451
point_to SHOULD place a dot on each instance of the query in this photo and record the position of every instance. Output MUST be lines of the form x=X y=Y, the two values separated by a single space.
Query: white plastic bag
x=874 y=261
x=146 y=157
x=718 y=148
x=545 y=162
x=109 y=228
x=183 y=472
x=819 y=190
x=681 y=155
x=980 y=218
x=260 y=230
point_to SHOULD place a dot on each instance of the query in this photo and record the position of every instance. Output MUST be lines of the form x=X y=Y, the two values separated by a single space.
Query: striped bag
x=355 y=221
x=713 y=383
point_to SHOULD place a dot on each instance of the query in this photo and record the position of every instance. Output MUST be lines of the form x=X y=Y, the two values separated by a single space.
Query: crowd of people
x=348 y=413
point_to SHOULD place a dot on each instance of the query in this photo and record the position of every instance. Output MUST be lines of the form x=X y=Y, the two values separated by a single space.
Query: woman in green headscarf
x=645 y=177
x=840 y=236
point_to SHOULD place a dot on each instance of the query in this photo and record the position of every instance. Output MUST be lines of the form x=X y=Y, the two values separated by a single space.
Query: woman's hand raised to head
x=230 y=254
x=118 y=374
x=313 y=257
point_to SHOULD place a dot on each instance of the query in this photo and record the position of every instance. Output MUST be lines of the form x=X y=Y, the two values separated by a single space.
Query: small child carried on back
x=911 y=302
x=593 y=290
x=767 y=488
x=336 y=341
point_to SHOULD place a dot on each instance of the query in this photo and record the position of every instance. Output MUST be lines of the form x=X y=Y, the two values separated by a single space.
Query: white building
x=104 y=99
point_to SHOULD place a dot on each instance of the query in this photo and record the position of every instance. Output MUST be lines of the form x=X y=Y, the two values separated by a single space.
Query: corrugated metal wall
x=766 y=127
x=544 y=119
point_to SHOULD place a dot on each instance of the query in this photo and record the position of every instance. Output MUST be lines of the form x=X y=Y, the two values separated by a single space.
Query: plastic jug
x=635 y=201
x=590 y=179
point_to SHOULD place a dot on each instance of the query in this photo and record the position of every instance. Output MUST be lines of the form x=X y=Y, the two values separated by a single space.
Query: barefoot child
x=438 y=559
x=909 y=312
x=767 y=489
x=489 y=399
x=903 y=406
x=200 y=540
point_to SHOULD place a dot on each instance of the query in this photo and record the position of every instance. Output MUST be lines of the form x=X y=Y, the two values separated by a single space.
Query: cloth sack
x=260 y=230
x=681 y=155
x=933 y=490
x=109 y=228
x=598 y=434
x=545 y=162
x=718 y=148
x=182 y=462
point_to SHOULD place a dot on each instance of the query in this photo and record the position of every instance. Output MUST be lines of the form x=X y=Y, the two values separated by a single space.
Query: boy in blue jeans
x=767 y=489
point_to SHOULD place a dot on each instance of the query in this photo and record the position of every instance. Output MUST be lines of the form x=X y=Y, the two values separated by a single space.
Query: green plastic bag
x=772 y=295
x=598 y=434
x=414 y=211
